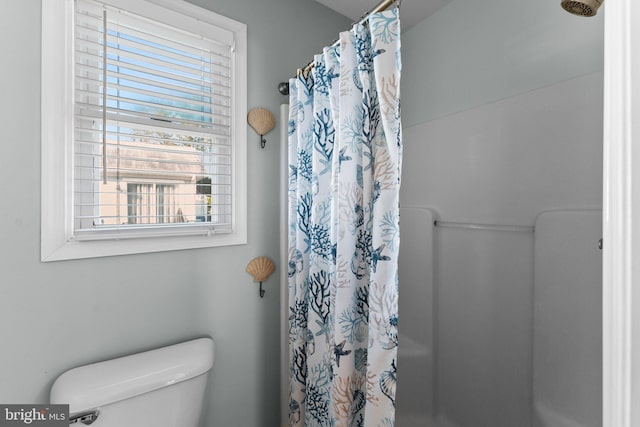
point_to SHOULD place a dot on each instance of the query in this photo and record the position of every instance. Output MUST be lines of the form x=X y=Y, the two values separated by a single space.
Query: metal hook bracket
x=260 y=268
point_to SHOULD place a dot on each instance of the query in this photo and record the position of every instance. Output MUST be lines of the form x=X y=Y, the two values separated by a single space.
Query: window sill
x=80 y=249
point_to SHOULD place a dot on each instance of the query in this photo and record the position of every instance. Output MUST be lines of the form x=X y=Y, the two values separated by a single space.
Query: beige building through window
x=151 y=183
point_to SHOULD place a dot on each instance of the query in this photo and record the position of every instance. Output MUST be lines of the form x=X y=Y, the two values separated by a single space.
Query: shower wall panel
x=484 y=327
x=567 y=380
x=416 y=326
x=505 y=162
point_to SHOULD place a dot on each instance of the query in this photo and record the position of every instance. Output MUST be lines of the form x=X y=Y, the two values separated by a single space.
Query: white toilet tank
x=158 y=388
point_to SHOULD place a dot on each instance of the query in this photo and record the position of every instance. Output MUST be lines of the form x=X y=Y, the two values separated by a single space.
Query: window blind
x=152 y=132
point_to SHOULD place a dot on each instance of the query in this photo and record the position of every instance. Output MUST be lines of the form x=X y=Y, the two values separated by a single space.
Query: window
x=143 y=133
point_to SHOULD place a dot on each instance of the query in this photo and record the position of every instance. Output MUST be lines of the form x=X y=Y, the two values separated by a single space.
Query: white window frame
x=57 y=110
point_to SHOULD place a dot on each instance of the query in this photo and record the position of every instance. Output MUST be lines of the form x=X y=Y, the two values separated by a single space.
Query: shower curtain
x=345 y=150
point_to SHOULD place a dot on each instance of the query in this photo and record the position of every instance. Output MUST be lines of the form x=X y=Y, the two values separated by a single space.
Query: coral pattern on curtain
x=345 y=150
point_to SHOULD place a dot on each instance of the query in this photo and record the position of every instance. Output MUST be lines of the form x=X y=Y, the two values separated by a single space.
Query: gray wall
x=55 y=316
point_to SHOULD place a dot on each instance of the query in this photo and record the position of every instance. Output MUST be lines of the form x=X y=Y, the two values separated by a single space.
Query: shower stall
x=500 y=266
x=500 y=324
x=500 y=274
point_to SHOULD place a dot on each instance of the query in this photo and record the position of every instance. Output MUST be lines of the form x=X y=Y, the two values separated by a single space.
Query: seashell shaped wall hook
x=262 y=121
x=260 y=268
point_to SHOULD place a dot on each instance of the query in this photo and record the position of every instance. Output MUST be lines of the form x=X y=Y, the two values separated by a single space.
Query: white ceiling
x=411 y=11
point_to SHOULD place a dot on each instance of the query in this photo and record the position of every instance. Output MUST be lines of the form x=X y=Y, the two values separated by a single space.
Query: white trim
x=56 y=93
x=57 y=242
x=621 y=206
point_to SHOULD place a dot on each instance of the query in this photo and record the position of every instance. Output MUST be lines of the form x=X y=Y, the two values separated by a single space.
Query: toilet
x=158 y=388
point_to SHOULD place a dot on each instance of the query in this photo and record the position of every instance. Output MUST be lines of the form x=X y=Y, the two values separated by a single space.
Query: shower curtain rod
x=383 y=5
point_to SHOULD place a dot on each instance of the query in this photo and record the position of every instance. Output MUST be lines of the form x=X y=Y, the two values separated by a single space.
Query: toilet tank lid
x=102 y=383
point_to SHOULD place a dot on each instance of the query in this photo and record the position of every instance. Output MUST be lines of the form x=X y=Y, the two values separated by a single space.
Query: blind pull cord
x=104 y=96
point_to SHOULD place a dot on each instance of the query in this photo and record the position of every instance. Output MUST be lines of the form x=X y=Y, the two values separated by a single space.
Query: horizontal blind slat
x=151 y=75
x=91 y=39
x=208 y=148
x=220 y=78
x=90 y=112
x=88 y=134
x=219 y=111
x=94 y=61
x=153 y=65
x=127 y=44
x=89 y=75
x=93 y=50
x=163 y=111
x=129 y=105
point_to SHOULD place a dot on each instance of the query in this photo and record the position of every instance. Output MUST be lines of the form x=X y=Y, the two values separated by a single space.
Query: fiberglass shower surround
x=499 y=266
x=484 y=312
